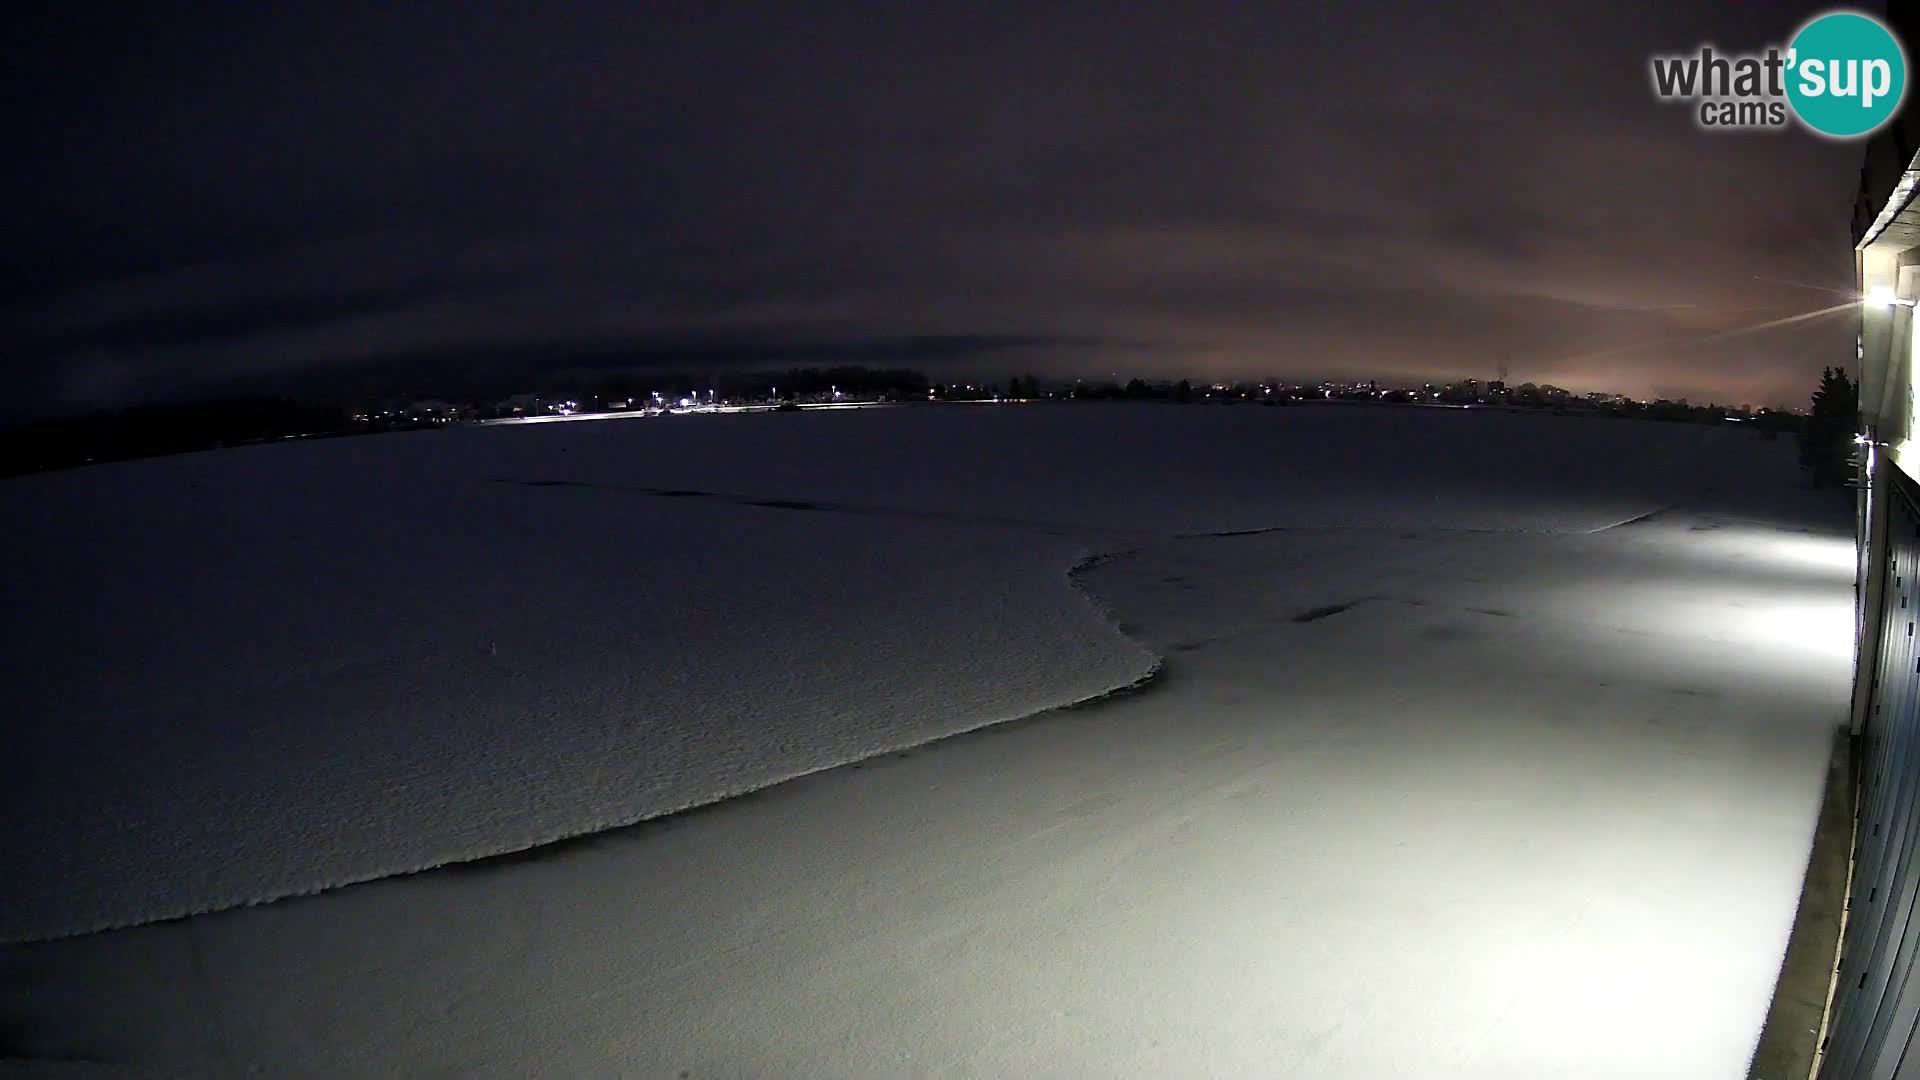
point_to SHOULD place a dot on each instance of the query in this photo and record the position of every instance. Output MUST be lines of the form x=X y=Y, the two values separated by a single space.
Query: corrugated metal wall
x=1877 y=996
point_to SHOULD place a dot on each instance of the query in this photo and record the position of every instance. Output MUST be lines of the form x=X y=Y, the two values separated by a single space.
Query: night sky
x=208 y=196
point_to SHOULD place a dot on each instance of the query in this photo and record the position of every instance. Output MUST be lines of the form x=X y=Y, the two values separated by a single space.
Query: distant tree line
x=759 y=385
x=151 y=430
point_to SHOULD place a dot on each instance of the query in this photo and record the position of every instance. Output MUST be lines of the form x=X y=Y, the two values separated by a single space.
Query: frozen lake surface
x=1447 y=771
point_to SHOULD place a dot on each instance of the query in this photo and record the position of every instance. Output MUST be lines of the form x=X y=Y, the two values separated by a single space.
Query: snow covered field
x=1448 y=772
x=271 y=673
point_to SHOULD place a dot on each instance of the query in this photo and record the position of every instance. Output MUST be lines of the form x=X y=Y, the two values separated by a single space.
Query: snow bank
x=1407 y=803
x=240 y=676
x=243 y=675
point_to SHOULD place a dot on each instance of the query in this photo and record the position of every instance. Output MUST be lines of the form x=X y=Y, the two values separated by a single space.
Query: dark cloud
x=249 y=192
x=218 y=323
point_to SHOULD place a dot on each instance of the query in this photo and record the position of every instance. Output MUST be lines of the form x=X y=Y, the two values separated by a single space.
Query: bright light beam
x=1849 y=293
x=1718 y=335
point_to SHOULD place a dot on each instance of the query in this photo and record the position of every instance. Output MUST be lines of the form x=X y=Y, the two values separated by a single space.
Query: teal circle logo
x=1846 y=74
